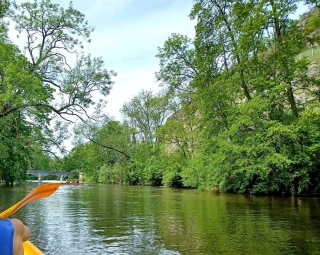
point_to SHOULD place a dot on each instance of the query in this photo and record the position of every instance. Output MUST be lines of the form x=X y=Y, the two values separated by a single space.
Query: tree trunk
x=292 y=102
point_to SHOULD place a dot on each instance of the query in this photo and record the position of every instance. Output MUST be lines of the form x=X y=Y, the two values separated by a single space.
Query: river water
x=112 y=219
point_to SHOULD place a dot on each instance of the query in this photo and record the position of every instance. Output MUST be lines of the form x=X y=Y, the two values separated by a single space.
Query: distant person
x=12 y=233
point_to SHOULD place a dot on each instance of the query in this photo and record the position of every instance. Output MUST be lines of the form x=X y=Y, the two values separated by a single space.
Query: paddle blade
x=42 y=191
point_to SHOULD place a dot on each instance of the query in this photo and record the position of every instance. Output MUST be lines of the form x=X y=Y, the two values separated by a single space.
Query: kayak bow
x=30 y=249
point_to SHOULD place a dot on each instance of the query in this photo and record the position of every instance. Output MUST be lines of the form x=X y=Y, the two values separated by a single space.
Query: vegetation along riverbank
x=238 y=110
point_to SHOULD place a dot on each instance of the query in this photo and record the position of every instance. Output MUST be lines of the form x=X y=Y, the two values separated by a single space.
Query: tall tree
x=48 y=88
x=217 y=36
x=4 y=6
x=42 y=91
x=113 y=138
x=146 y=113
x=254 y=44
x=177 y=67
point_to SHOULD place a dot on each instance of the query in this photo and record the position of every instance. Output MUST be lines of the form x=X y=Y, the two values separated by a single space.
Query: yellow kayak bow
x=30 y=249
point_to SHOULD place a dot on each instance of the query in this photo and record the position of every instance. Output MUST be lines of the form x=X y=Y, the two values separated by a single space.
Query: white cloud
x=127 y=35
x=98 y=7
x=128 y=44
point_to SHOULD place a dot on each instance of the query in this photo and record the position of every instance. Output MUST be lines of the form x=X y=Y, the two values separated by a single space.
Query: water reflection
x=105 y=219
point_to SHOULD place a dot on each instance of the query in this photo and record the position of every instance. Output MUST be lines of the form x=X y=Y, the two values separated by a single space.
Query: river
x=112 y=219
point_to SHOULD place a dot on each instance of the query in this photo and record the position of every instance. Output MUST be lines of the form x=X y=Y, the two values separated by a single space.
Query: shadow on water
x=112 y=219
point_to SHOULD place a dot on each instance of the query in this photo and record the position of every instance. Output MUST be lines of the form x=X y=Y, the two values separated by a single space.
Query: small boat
x=73 y=183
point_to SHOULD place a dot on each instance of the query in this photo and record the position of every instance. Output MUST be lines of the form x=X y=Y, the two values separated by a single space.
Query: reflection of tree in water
x=146 y=240
x=178 y=221
x=271 y=224
x=124 y=218
x=215 y=223
x=111 y=219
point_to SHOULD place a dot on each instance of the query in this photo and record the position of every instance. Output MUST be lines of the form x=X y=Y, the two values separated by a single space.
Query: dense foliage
x=40 y=93
x=239 y=111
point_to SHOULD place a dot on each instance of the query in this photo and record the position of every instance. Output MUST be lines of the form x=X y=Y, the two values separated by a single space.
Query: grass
x=308 y=53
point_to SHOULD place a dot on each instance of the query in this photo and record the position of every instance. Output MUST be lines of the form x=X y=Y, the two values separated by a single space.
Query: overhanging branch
x=109 y=147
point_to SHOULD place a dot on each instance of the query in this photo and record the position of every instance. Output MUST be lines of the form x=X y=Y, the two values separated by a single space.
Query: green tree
x=84 y=158
x=113 y=144
x=63 y=92
x=179 y=134
x=15 y=154
x=251 y=92
x=40 y=160
x=146 y=113
x=177 y=67
x=4 y=6
x=42 y=91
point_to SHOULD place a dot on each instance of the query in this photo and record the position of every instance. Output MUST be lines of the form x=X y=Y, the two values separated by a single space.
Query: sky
x=127 y=36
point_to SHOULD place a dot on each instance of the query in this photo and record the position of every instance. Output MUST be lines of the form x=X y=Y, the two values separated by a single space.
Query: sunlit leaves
x=146 y=113
x=43 y=91
x=177 y=67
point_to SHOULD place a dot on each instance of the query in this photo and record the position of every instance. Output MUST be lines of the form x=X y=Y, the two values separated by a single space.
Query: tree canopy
x=41 y=92
x=238 y=110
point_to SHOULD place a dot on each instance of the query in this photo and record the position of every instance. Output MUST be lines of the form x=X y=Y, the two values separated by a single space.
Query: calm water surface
x=110 y=219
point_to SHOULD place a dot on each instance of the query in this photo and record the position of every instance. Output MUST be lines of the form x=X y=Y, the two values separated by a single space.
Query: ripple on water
x=106 y=219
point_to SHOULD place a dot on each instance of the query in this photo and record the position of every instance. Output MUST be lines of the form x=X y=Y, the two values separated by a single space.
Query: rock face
x=314 y=66
x=314 y=69
x=305 y=17
x=302 y=24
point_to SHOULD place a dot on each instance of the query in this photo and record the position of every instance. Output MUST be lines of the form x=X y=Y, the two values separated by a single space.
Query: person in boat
x=12 y=233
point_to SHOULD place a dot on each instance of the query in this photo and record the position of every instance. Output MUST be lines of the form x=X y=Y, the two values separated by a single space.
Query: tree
x=114 y=138
x=251 y=92
x=4 y=6
x=217 y=38
x=179 y=135
x=255 y=43
x=41 y=90
x=40 y=161
x=113 y=145
x=15 y=155
x=177 y=68
x=146 y=113
x=53 y=35
x=86 y=159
